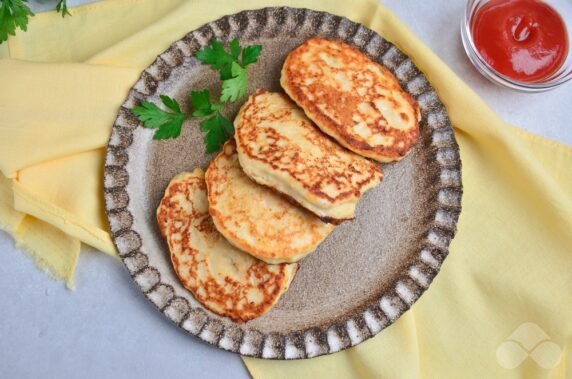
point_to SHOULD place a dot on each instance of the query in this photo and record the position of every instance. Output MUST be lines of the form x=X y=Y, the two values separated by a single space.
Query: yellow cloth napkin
x=504 y=291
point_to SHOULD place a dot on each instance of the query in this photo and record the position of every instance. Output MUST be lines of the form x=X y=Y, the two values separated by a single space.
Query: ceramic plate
x=365 y=275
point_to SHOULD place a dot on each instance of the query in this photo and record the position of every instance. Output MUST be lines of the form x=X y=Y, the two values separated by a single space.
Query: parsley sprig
x=168 y=124
x=233 y=70
x=233 y=66
x=218 y=128
x=62 y=7
x=15 y=14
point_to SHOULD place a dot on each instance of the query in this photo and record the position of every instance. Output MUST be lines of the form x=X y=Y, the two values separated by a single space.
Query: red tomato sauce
x=525 y=40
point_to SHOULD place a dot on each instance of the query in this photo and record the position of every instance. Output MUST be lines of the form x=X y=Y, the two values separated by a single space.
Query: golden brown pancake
x=279 y=147
x=224 y=279
x=355 y=100
x=255 y=218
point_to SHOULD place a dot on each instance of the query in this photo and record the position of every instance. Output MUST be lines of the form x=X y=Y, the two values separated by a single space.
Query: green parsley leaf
x=218 y=130
x=169 y=130
x=235 y=87
x=13 y=14
x=168 y=124
x=170 y=103
x=151 y=115
x=215 y=55
x=250 y=55
x=235 y=49
x=63 y=8
x=201 y=101
x=226 y=72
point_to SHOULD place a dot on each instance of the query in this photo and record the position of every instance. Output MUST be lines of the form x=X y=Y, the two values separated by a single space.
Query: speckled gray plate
x=365 y=275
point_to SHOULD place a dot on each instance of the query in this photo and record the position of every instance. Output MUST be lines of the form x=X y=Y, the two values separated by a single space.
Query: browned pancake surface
x=353 y=99
x=257 y=219
x=224 y=279
x=278 y=146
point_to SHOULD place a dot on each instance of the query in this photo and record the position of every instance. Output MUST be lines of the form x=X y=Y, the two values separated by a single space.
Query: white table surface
x=107 y=329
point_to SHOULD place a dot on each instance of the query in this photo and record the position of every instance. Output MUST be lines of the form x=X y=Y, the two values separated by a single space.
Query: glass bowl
x=561 y=76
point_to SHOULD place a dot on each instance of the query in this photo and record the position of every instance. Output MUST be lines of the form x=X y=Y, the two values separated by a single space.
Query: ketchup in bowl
x=525 y=40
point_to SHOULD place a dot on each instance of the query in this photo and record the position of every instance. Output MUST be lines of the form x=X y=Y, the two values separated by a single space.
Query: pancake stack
x=223 y=278
x=279 y=147
x=256 y=219
x=298 y=166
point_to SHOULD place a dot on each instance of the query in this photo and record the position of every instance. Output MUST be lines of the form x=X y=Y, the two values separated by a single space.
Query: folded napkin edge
x=26 y=202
